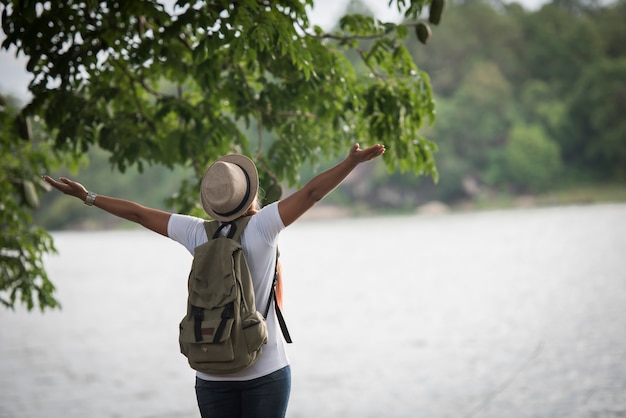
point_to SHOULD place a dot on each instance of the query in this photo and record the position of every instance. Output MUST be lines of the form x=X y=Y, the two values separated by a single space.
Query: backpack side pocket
x=254 y=331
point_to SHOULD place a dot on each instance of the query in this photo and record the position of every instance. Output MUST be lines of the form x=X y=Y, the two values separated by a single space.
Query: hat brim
x=250 y=168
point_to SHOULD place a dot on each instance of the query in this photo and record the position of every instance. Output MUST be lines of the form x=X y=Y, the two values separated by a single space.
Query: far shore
x=594 y=194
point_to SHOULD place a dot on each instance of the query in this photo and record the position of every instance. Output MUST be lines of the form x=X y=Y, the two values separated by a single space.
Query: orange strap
x=279 y=286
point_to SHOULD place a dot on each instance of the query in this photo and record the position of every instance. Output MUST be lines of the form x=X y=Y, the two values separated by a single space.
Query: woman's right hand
x=359 y=155
x=67 y=186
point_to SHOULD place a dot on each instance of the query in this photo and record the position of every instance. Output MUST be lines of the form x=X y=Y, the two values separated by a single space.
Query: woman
x=228 y=191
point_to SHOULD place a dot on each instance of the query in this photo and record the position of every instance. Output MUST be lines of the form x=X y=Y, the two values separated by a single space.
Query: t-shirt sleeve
x=187 y=230
x=268 y=223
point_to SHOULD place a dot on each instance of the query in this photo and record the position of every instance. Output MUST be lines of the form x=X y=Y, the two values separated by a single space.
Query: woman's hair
x=254 y=207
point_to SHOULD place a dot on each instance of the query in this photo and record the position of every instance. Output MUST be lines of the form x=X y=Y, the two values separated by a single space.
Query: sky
x=14 y=79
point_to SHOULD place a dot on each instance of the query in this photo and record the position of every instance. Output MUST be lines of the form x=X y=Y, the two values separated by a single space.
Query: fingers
x=378 y=149
x=50 y=180
x=374 y=151
x=64 y=185
x=368 y=153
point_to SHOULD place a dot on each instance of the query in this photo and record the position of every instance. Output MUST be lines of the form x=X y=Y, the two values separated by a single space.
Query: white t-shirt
x=259 y=241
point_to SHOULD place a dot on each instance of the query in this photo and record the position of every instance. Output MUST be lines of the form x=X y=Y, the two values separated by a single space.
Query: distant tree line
x=526 y=101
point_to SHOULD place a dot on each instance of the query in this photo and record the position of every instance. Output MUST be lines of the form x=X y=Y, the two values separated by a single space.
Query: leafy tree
x=610 y=23
x=595 y=135
x=539 y=104
x=22 y=245
x=560 y=45
x=179 y=88
x=549 y=82
x=531 y=160
x=479 y=117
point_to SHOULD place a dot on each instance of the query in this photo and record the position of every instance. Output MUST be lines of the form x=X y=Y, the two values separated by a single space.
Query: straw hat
x=229 y=187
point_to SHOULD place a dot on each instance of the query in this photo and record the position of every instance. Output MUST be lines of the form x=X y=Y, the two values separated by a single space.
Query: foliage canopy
x=181 y=87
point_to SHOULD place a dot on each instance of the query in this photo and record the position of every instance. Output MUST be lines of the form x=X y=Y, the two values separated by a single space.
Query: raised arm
x=294 y=206
x=153 y=219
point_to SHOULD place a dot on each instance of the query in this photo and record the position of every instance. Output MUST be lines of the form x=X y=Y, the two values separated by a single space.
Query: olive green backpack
x=222 y=331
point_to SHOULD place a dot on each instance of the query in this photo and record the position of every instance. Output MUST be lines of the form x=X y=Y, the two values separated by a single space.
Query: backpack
x=222 y=331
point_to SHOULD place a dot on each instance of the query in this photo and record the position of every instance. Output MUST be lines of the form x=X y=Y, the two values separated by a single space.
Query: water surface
x=496 y=314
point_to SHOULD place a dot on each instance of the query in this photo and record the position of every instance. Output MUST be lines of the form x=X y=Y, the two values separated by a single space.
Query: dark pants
x=265 y=397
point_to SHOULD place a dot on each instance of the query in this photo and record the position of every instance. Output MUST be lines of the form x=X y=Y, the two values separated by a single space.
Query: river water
x=516 y=313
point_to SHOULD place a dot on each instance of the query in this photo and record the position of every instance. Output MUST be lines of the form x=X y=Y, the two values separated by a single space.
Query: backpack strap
x=272 y=298
x=214 y=228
